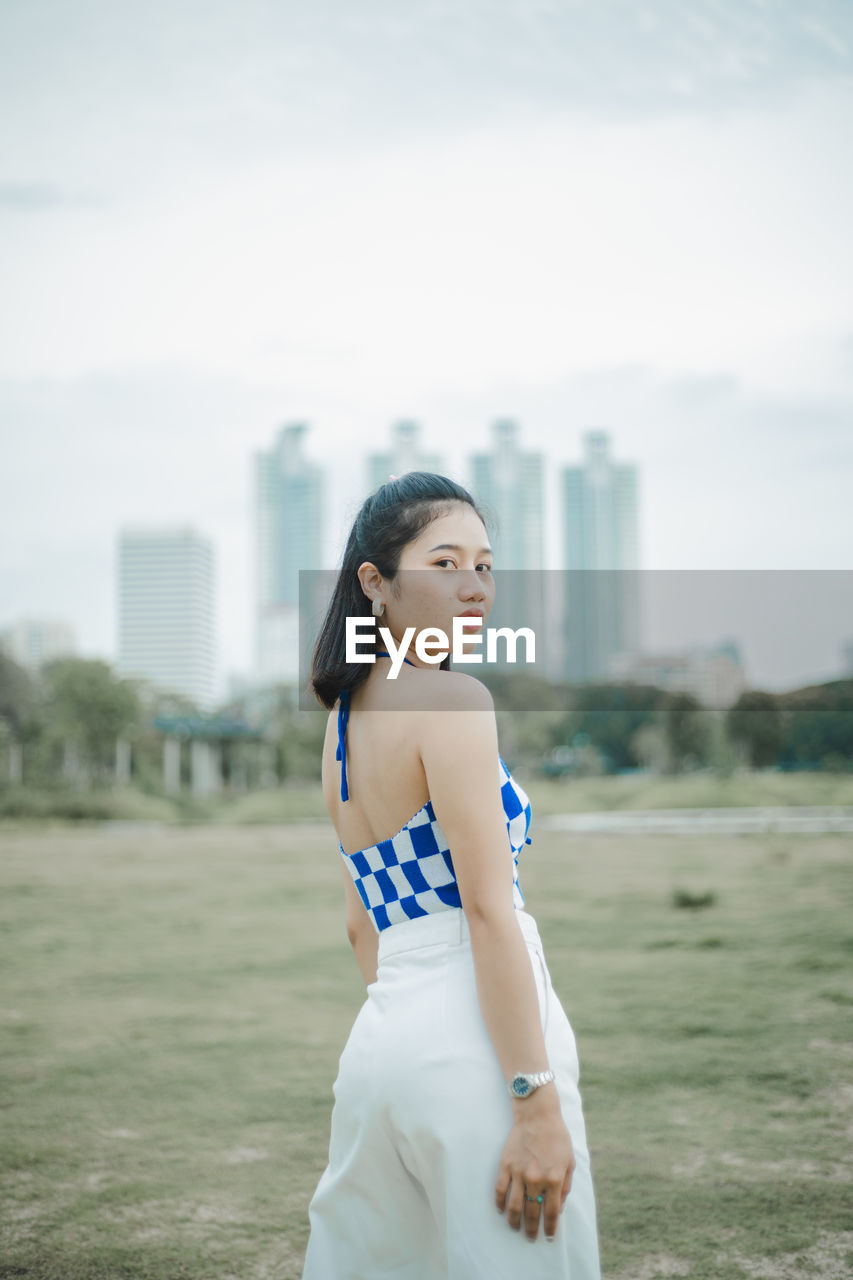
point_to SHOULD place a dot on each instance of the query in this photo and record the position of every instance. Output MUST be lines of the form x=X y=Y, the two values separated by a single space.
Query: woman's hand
x=537 y=1159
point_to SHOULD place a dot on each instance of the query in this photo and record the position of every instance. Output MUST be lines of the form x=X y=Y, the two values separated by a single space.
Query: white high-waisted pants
x=420 y=1118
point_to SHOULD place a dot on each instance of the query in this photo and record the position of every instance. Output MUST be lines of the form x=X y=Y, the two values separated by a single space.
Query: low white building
x=33 y=641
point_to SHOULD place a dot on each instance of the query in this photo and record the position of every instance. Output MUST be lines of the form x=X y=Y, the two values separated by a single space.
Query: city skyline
x=577 y=217
x=789 y=628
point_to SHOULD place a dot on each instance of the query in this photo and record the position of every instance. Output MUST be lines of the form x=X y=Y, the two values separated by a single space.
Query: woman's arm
x=360 y=930
x=459 y=750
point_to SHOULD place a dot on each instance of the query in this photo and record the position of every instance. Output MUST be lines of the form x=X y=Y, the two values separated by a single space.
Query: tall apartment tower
x=288 y=501
x=167 y=617
x=406 y=454
x=600 y=604
x=508 y=483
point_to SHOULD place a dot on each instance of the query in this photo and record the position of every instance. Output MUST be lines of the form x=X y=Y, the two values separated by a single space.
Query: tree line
x=64 y=725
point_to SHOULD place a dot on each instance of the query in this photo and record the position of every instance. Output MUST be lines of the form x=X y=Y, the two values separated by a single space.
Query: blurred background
x=590 y=260
x=593 y=261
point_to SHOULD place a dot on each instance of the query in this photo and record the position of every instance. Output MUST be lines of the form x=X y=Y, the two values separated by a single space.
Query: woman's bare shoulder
x=456 y=736
x=451 y=691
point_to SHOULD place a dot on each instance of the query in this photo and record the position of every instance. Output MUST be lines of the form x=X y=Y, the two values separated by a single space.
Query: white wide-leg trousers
x=420 y=1118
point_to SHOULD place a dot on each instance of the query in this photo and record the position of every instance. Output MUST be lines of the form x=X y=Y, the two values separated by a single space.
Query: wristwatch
x=524 y=1083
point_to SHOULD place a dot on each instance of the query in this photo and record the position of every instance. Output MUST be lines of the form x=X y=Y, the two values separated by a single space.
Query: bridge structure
x=206 y=736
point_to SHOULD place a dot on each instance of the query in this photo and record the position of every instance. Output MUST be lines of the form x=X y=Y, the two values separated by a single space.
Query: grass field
x=301 y=800
x=174 y=1003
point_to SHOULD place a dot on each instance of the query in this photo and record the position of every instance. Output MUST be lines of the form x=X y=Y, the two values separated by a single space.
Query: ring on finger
x=534 y=1199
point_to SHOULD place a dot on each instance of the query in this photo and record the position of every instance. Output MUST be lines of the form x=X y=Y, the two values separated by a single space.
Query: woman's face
x=444 y=572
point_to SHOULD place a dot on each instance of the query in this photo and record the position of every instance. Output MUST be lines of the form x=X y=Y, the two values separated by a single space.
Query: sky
x=218 y=218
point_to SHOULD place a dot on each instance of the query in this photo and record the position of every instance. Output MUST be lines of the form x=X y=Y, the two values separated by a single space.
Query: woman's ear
x=371 y=580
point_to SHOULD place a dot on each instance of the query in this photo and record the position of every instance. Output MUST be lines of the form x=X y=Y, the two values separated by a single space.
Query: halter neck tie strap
x=341 y=753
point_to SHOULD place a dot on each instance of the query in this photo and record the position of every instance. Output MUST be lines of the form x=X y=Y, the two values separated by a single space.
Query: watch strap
x=531 y=1079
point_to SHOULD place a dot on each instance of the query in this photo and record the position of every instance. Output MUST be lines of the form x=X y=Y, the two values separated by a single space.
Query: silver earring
x=378 y=608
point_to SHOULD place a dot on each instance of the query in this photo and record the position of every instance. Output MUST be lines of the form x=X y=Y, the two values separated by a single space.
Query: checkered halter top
x=411 y=873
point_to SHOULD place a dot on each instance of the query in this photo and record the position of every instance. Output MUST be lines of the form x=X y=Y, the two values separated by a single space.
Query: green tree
x=90 y=707
x=18 y=695
x=755 y=721
x=818 y=726
x=686 y=730
x=20 y=710
x=610 y=715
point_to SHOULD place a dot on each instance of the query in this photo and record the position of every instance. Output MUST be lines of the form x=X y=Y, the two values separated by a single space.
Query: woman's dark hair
x=389 y=519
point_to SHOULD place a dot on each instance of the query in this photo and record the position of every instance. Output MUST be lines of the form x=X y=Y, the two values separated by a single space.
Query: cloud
x=703 y=390
x=39 y=197
x=139 y=90
x=27 y=197
x=845 y=351
x=729 y=476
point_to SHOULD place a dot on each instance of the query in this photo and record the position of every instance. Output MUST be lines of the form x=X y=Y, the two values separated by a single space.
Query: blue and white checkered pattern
x=411 y=873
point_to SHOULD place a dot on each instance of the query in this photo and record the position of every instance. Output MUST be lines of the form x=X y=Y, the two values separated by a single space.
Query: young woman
x=458 y=1148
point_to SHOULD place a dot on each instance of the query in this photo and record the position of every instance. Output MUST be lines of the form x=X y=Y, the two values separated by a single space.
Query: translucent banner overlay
x=710 y=634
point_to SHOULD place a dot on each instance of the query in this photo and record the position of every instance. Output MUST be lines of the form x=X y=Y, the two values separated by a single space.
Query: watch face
x=520 y=1087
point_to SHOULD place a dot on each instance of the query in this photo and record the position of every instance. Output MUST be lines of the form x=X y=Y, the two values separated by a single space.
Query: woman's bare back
x=386 y=780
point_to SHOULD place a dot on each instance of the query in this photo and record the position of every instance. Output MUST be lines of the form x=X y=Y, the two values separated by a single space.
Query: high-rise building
x=847 y=659
x=167 y=610
x=508 y=483
x=288 y=503
x=406 y=454
x=600 y=604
